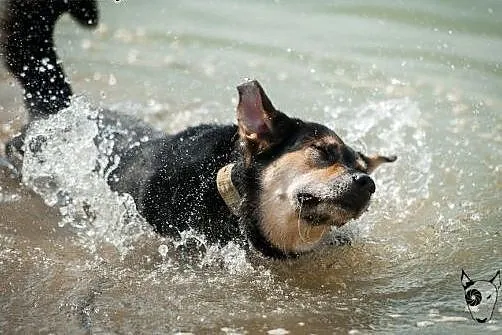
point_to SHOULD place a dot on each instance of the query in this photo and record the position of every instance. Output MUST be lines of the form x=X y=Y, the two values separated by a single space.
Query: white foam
x=231 y=256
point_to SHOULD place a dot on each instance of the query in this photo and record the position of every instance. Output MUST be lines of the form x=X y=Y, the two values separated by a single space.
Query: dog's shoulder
x=195 y=153
x=165 y=177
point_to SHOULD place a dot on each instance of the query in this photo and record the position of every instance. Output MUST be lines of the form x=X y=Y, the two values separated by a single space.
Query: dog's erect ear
x=465 y=280
x=260 y=124
x=496 y=280
x=372 y=162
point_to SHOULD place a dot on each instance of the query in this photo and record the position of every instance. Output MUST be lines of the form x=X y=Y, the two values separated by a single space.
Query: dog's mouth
x=342 y=199
x=333 y=211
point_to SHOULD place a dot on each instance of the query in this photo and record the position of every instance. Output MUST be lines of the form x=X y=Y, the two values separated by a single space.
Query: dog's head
x=307 y=178
x=481 y=296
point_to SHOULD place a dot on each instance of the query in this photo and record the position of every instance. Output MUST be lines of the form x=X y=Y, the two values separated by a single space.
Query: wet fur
x=296 y=179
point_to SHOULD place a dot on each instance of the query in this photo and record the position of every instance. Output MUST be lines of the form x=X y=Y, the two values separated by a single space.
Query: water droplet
x=163 y=249
x=112 y=81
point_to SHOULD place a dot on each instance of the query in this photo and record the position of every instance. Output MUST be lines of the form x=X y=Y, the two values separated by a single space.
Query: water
x=420 y=80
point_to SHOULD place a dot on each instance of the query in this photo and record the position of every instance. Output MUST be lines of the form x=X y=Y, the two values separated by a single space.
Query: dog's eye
x=325 y=153
x=321 y=150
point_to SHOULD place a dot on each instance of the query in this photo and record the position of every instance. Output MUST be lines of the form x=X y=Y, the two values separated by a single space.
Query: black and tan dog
x=278 y=182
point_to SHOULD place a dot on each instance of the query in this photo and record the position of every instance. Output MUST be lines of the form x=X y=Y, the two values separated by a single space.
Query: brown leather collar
x=227 y=189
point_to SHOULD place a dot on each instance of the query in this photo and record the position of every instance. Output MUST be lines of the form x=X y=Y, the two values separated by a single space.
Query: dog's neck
x=279 y=237
x=287 y=231
x=283 y=233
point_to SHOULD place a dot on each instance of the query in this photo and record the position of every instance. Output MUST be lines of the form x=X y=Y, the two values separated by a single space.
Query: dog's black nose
x=307 y=199
x=365 y=182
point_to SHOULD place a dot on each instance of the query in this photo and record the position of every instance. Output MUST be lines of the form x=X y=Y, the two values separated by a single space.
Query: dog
x=275 y=182
x=481 y=296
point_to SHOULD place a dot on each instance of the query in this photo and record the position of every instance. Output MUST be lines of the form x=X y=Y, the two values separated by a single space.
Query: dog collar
x=227 y=189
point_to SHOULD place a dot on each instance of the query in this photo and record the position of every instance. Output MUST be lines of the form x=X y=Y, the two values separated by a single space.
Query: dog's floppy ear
x=374 y=161
x=260 y=124
x=465 y=280
x=496 y=280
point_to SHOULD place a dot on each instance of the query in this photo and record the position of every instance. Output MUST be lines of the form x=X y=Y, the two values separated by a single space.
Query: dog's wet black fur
x=293 y=179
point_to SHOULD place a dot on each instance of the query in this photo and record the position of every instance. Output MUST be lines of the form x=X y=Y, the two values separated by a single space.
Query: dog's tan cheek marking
x=279 y=218
x=330 y=172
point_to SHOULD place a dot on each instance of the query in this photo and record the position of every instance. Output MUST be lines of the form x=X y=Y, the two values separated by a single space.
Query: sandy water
x=421 y=81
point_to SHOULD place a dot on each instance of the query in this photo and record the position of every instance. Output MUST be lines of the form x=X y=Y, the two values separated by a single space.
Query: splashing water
x=68 y=158
x=61 y=164
x=391 y=127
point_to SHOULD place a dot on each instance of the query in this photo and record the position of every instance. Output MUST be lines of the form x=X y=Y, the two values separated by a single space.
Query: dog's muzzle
x=344 y=198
